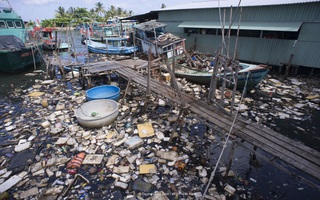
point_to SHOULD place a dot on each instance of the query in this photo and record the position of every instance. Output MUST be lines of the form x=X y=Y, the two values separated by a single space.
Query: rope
x=225 y=145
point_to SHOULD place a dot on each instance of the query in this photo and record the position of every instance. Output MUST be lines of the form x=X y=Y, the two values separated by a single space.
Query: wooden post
x=174 y=82
x=230 y=159
x=223 y=83
x=134 y=43
x=74 y=47
x=311 y=73
x=222 y=32
x=213 y=82
x=148 y=77
x=56 y=40
x=280 y=69
x=175 y=126
x=237 y=38
x=234 y=87
x=155 y=38
x=126 y=91
x=288 y=66
x=229 y=31
x=87 y=39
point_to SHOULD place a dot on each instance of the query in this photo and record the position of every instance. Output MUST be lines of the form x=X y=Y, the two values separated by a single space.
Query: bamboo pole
x=222 y=31
x=148 y=77
x=74 y=47
x=237 y=38
x=229 y=31
x=234 y=87
x=223 y=83
x=213 y=82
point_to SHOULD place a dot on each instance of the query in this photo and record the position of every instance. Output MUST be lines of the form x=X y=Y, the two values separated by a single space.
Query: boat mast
x=9 y=5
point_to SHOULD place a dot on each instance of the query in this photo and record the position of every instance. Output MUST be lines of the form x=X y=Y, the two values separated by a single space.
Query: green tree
x=61 y=12
x=99 y=9
x=80 y=13
x=119 y=11
x=163 y=6
x=48 y=23
x=112 y=11
x=71 y=10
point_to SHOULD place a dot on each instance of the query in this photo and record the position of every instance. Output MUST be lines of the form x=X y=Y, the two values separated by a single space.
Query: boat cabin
x=151 y=35
x=11 y=23
x=117 y=42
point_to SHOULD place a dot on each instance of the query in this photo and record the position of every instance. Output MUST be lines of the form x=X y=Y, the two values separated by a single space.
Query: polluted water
x=147 y=152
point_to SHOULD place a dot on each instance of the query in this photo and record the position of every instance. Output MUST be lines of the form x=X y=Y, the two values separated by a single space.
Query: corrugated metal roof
x=265 y=26
x=233 y=3
x=150 y=25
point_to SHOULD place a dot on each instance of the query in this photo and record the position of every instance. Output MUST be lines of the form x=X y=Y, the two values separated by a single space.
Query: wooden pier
x=303 y=158
x=292 y=152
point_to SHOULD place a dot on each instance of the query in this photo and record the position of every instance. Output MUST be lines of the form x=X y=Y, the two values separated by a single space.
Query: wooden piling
x=230 y=159
x=288 y=66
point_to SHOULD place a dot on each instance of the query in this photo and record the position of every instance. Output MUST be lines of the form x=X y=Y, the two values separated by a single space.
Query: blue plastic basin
x=103 y=92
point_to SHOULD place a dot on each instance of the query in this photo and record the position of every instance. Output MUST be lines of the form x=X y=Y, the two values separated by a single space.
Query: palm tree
x=99 y=9
x=119 y=12
x=71 y=10
x=112 y=11
x=61 y=12
x=92 y=12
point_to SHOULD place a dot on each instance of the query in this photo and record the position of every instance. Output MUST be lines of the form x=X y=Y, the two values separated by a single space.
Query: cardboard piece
x=93 y=159
x=36 y=94
x=148 y=169
x=145 y=130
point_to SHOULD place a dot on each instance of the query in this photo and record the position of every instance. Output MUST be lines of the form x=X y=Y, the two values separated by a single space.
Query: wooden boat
x=50 y=42
x=151 y=35
x=16 y=53
x=97 y=113
x=255 y=74
x=116 y=46
x=103 y=92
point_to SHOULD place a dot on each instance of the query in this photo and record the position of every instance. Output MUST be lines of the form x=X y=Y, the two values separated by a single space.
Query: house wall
x=305 y=48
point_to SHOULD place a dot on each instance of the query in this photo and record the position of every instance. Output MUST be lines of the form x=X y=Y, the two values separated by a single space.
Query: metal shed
x=270 y=31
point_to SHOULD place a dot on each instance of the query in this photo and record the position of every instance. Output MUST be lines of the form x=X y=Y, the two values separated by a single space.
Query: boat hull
x=113 y=51
x=52 y=46
x=15 y=61
x=246 y=78
x=113 y=47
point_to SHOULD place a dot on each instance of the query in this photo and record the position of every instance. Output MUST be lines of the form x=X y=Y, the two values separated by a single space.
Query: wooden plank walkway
x=292 y=152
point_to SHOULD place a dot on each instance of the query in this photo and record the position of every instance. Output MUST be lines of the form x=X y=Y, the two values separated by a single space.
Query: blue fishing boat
x=116 y=46
x=16 y=52
x=103 y=92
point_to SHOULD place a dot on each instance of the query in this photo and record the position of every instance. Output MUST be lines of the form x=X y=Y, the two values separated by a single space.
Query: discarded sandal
x=76 y=161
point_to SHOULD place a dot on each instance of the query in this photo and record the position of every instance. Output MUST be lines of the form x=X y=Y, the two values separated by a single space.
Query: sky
x=45 y=9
